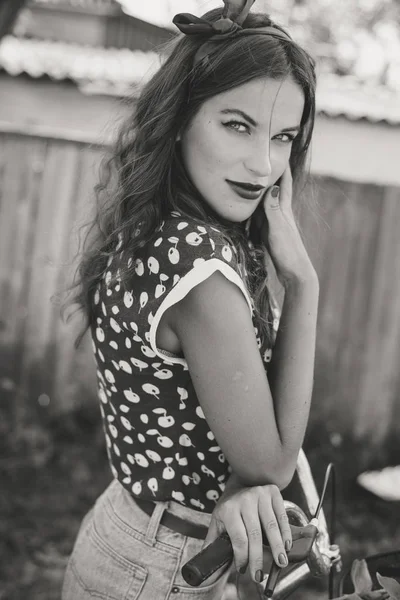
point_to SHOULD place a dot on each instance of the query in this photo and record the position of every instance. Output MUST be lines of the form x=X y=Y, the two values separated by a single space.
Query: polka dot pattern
x=157 y=438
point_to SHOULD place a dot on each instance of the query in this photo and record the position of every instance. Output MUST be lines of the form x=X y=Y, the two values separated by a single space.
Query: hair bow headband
x=228 y=26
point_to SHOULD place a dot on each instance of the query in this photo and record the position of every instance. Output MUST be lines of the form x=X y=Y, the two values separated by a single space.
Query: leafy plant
x=390 y=585
x=362 y=583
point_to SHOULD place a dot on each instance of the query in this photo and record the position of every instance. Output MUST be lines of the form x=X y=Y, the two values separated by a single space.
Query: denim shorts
x=123 y=554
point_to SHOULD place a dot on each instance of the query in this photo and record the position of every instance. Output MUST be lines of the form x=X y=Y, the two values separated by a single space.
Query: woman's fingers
x=286 y=190
x=266 y=512
x=236 y=530
x=275 y=541
x=282 y=519
x=286 y=247
x=216 y=528
x=273 y=517
x=255 y=546
x=213 y=532
x=244 y=516
x=238 y=536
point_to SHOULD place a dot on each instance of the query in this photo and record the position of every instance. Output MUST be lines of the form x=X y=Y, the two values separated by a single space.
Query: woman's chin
x=234 y=214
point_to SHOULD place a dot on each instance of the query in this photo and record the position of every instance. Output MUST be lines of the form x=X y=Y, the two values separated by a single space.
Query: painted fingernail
x=259 y=576
x=283 y=561
x=242 y=570
x=288 y=545
x=275 y=191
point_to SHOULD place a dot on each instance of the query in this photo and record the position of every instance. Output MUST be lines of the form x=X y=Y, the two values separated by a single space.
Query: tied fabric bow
x=229 y=25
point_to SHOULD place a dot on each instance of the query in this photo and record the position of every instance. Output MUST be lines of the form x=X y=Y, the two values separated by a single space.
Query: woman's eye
x=289 y=137
x=236 y=125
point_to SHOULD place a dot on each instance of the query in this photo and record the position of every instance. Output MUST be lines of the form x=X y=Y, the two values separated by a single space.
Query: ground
x=54 y=466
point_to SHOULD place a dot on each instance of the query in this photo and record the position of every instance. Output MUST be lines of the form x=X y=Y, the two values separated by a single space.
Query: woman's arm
x=259 y=437
x=291 y=370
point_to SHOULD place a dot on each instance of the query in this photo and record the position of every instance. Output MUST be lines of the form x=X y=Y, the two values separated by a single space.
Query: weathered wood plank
x=365 y=203
x=70 y=360
x=32 y=154
x=379 y=390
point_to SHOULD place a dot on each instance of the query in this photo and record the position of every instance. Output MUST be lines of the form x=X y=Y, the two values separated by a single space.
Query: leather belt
x=173 y=522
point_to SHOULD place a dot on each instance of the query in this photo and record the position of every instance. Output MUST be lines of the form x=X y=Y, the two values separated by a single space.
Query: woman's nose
x=259 y=161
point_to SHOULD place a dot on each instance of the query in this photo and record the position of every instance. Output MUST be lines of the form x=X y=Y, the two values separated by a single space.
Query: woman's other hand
x=280 y=235
x=244 y=513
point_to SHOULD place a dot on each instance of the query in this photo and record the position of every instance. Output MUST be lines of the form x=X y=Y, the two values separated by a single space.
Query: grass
x=54 y=467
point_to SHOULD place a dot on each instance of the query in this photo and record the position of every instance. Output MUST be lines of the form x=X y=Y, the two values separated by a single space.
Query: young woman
x=203 y=423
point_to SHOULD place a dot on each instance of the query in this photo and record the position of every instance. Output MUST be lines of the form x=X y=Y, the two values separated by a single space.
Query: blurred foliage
x=52 y=468
x=9 y=10
x=328 y=21
x=350 y=38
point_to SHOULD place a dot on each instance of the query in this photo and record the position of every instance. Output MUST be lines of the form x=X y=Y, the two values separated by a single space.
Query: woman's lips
x=244 y=192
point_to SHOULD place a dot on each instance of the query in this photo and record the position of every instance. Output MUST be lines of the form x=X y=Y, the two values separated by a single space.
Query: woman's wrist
x=234 y=483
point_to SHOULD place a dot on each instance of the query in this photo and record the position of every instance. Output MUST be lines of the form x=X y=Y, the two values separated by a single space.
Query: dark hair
x=144 y=178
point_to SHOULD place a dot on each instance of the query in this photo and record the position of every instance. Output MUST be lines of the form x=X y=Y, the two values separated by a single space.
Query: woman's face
x=242 y=136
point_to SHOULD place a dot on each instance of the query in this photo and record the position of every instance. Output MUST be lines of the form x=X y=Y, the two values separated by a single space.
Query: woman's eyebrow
x=237 y=111
x=227 y=111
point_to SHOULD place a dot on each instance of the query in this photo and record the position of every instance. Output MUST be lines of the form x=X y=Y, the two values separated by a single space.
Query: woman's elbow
x=287 y=471
x=267 y=472
x=284 y=480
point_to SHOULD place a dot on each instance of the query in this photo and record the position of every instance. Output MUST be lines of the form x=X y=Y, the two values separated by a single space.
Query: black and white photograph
x=199 y=299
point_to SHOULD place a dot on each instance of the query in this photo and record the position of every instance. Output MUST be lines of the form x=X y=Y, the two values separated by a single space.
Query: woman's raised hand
x=244 y=513
x=282 y=237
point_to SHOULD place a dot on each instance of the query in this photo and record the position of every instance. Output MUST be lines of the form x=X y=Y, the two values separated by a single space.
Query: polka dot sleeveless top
x=158 y=441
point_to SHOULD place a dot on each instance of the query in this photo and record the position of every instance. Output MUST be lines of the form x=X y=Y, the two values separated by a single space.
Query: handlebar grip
x=209 y=560
x=220 y=552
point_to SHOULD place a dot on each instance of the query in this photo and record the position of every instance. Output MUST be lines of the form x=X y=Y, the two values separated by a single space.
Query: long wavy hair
x=143 y=178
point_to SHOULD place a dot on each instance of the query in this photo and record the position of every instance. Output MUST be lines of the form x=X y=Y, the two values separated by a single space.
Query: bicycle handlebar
x=210 y=559
x=220 y=552
x=320 y=557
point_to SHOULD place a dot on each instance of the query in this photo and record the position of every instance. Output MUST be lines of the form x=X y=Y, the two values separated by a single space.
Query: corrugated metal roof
x=114 y=68
x=94 y=7
x=348 y=97
x=76 y=3
x=116 y=71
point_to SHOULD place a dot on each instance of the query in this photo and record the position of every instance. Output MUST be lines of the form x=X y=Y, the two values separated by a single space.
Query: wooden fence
x=46 y=186
x=45 y=192
x=357 y=257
